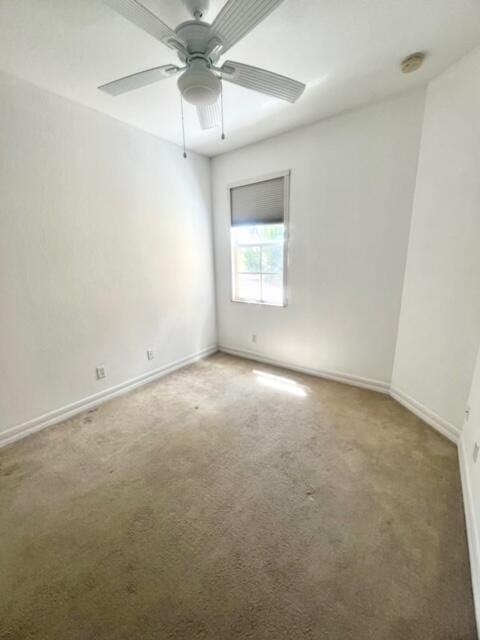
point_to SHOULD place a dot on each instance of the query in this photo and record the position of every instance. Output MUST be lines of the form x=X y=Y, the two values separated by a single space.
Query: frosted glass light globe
x=199 y=86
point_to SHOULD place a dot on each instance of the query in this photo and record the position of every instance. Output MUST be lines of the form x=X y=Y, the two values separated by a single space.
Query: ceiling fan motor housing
x=198 y=85
x=197 y=36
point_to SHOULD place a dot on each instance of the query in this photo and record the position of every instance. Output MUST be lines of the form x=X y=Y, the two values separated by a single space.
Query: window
x=258 y=236
x=257 y=252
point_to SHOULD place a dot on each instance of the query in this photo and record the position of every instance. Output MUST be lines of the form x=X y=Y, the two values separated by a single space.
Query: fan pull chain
x=183 y=127
x=221 y=108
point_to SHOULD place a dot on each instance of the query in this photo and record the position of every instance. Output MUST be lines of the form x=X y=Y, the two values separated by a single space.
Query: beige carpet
x=220 y=503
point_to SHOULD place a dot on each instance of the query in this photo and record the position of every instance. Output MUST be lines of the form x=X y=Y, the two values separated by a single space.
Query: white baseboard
x=63 y=413
x=471 y=526
x=427 y=415
x=58 y=415
x=446 y=428
x=356 y=381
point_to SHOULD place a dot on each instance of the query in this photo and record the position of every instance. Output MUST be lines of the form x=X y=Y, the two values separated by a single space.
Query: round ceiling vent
x=412 y=62
x=199 y=86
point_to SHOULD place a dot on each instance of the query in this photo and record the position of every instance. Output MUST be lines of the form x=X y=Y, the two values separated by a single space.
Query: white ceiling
x=346 y=51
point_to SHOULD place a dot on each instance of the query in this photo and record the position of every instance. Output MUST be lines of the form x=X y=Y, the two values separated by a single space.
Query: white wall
x=105 y=250
x=352 y=188
x=439 y=327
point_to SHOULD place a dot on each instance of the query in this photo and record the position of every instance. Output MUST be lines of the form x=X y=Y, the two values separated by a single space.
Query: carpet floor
x=228 y=501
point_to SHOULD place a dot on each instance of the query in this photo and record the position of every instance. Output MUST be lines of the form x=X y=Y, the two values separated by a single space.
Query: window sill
x=260 y=304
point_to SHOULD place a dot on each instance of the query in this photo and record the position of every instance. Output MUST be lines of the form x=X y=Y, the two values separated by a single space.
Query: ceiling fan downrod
x=197 y=8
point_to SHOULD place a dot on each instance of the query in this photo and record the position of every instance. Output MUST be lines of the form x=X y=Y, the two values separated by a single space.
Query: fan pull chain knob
x=221 y=110
x=183 y=127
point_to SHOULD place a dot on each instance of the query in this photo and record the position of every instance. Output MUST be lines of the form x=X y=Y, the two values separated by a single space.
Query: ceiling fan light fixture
x=199 y=86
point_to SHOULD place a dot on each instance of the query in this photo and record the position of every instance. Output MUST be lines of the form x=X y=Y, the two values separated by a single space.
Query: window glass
x=258 y=263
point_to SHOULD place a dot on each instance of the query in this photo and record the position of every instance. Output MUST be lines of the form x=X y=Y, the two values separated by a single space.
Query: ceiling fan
x=199 y=46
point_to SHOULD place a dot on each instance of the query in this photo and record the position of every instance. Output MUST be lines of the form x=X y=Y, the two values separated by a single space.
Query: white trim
x=471 y=526
x=63 y=413
x=268 y=176
x=58 y=415
x=357 y=381
x=446 y=428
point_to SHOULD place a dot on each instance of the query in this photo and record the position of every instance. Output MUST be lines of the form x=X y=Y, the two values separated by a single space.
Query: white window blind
x=258 y=203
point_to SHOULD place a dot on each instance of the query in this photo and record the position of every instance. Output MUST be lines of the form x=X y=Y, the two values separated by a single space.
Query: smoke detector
x=412 y=62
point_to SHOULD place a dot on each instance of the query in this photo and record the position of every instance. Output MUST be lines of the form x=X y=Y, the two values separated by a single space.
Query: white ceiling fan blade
x=140 y=79
x=145 y=19
x=238 y=17
x=209 y=116
x=262 y=81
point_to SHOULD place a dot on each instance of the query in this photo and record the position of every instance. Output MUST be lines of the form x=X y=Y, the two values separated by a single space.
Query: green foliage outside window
x=271 y=255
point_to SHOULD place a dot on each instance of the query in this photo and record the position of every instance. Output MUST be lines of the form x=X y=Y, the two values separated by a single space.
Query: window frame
x=286 y=236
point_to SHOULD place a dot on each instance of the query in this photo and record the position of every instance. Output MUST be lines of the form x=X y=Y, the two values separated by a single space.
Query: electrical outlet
x=254 y=338
x=467 y=414
x=100 y=372
x=476 y=449
x=150 y=354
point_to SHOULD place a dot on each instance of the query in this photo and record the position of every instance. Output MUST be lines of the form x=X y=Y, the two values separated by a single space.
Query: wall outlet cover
x=150 y=354
x=100 y=372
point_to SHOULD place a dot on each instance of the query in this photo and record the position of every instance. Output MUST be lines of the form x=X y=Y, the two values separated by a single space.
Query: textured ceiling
x=346 y=51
